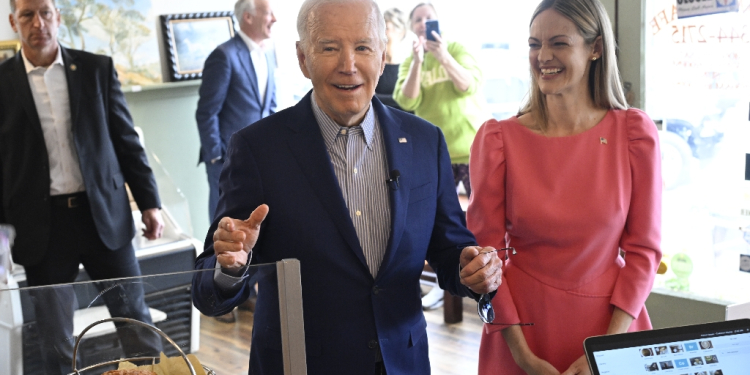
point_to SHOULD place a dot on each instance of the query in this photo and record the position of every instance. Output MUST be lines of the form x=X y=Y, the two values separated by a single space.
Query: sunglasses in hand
x=484 y=304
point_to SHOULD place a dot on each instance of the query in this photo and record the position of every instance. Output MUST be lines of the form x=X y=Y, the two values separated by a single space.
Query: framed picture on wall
x=8 y=49
x=189 y=39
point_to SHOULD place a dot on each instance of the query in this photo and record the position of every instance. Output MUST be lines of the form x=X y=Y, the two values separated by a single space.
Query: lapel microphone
x=392 y=181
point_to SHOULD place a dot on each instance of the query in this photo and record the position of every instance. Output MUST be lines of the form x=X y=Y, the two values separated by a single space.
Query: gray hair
x=13 y=5
x=304 y=23
x=242 y=6
x=604 y=82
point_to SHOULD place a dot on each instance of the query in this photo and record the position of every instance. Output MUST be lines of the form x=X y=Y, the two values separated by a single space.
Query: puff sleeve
x=485 y=215
x=641 y=238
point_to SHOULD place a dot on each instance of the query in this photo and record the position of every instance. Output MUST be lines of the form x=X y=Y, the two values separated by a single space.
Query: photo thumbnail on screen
x=706 y=344
x=666 y=365
x=711 y=359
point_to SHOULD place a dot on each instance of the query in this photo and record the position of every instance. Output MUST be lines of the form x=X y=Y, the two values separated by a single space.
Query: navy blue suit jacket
x=229 y=98
x=282 y=161
x=109 y=154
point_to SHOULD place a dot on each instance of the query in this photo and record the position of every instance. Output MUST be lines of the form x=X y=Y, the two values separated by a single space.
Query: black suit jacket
x=109 y=154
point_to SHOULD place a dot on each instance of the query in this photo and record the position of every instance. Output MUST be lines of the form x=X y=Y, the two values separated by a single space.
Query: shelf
x=162 y=86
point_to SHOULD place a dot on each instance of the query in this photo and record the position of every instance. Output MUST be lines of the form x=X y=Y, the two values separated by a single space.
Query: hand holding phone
x=431 y=25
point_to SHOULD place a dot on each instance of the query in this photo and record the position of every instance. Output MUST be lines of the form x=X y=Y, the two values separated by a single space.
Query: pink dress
x=567 y=205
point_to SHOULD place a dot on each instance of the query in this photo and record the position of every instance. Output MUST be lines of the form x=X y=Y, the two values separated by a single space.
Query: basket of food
x=162 y=365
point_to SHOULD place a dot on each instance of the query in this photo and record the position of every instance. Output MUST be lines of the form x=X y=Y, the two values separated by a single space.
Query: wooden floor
x=453 y=348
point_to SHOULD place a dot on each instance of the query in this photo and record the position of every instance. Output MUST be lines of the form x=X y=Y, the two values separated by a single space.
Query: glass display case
x=174 y=205
x=698 y=93
x=100 y=342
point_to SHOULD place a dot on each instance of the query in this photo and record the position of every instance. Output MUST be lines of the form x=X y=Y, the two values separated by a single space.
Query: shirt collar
x=330 y=129
x=251 y=45
x=30 y=67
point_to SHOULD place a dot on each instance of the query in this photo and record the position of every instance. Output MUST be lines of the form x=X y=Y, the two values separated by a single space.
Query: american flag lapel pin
x=402 y=140
x=603 y=140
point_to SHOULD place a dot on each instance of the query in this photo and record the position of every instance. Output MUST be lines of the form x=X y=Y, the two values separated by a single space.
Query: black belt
x=69 y=200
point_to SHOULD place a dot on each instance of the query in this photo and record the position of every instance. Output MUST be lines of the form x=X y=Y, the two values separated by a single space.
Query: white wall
x=6 y=33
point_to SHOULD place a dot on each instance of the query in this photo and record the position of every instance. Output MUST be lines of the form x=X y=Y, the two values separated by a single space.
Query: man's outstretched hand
x=234 y=239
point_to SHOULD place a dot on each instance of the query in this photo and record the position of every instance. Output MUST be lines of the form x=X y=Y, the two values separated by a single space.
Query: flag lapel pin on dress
x=402 y=140
x=603 y=140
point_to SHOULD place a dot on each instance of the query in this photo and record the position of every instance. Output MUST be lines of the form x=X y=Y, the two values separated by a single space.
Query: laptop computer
x=720 y=348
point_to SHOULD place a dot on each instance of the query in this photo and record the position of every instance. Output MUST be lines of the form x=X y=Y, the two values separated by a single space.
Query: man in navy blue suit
x=362 y=194
x=238 y=88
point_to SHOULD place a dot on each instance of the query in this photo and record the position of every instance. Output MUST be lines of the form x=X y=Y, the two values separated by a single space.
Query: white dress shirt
x=260 y=64
x=49 y=87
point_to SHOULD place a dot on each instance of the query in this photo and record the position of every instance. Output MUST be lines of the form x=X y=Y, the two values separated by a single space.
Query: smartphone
x=429 y=27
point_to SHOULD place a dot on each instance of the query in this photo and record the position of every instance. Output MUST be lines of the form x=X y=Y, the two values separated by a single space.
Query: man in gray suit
x=238 y=88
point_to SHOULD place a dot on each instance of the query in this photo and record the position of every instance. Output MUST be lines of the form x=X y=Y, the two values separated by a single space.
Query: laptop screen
x=721 y=348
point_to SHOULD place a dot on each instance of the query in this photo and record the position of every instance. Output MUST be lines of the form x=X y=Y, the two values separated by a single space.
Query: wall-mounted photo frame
x=190 y=37
x=8 y=49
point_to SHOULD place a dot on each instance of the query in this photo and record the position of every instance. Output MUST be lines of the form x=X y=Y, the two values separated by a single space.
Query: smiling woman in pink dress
x=570 y=182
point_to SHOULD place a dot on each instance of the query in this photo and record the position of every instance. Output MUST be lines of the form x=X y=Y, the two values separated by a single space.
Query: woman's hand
x=438 y=48
x=522 y=354
x=460 y=77
x=619 y=323
x=411 y=87
x=417 y=50
x=580 y=366
x=534 y=365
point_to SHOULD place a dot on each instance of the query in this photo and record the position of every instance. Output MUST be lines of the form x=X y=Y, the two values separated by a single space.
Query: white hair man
x=360 y=193
x=238 y=88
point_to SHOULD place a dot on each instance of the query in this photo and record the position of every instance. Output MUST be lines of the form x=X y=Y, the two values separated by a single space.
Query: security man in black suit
x=67 y=148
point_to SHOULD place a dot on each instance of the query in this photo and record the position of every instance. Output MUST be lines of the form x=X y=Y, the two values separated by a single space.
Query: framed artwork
x=8 y=49
x=121 y=29
x=189 y=39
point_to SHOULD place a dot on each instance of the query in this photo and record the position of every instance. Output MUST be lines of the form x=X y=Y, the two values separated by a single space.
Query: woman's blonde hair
x=604 y=82
x=396 y=17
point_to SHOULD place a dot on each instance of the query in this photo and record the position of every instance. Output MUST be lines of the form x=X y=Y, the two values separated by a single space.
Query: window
x=698 y=90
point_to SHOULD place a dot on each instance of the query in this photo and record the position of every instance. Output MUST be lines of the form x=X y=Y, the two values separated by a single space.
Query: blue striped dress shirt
x=358 y=157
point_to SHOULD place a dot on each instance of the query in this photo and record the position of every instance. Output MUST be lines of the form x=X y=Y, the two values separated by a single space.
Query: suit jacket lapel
x=75 y=85
x=20 y=81
x=398 y=151
x=308 y=147
x=243 y=54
